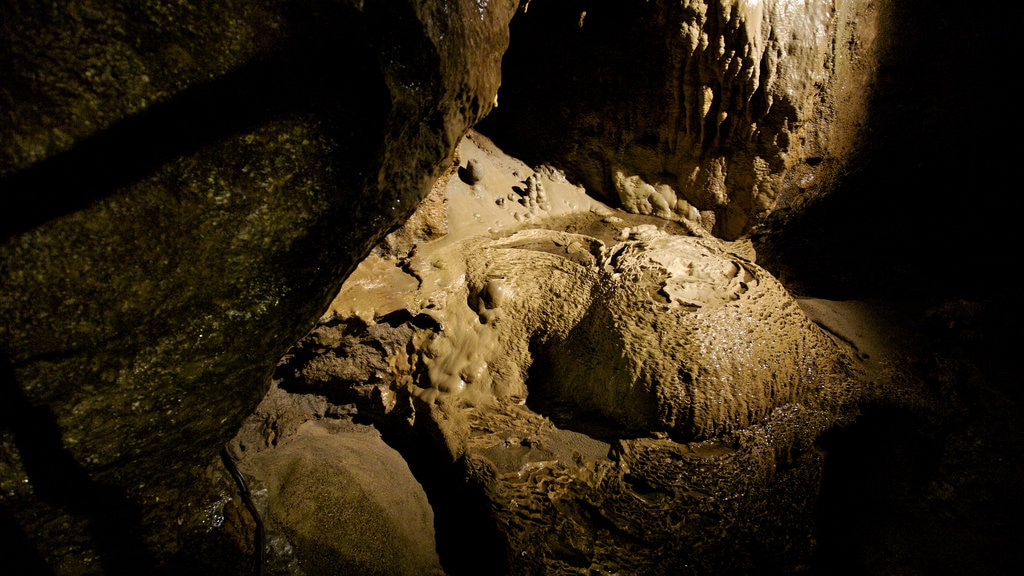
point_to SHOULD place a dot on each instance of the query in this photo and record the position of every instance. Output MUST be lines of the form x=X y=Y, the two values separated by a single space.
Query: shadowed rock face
x=184 y=188
x=730 y=106
x=928 y=188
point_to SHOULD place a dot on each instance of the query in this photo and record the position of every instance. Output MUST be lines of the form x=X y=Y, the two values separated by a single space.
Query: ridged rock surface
x=657 y=332
x=184 y=188
x=682 y=337
x=727 y=107
x=648 y=327
x=624 y=394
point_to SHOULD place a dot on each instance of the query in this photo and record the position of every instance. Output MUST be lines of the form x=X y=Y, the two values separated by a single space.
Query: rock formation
x=348 y=503
x=185 y=186
x=576 y=364
x=731 y=108
x=612 y=377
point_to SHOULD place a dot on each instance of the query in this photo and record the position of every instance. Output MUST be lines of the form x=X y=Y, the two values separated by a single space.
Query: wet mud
x=581 y=390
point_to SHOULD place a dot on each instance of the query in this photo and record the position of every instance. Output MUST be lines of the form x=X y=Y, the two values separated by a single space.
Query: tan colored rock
x=685 y=338
x=619 y=389
x=658 y=332
x=347 y=503
x=721 y=101
x=648 y=330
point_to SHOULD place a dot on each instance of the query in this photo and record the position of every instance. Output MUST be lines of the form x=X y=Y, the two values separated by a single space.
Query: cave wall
x=732 y=108
x=860 y=144
x=184 y=187
x=922 y=211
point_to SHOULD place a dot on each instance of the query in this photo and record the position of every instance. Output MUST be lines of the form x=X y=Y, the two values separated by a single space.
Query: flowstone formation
x=184 y=187
x=729 y=109
x=627 y=394
x=657 y=332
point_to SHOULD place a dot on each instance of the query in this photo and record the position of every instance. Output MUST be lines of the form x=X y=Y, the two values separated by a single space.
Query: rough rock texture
x=728 y=107
x=622 y=398
x=567 y=319
x=650 y=505
x=684 y=338
x=648 y=330
x=574 y=321
x=458 y=352
x=184 y=187
x=347 y=502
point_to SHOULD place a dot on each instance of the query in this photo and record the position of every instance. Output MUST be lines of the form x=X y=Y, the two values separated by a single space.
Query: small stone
x=472 y=172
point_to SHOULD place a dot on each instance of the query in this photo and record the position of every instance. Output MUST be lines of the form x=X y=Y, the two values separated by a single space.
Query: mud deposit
x=574 y=390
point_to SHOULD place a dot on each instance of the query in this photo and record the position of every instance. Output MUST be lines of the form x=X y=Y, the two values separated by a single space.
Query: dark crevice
x=923 y=208
x=58 y=480
x=875 y=470
x=566 y=412
x=468 y=541
x=18 y=548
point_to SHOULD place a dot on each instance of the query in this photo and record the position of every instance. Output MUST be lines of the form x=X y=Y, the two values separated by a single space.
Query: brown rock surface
x=730 y=108
x=185 y=186
x=621 y=394
x=654 y=331
x=346 y=501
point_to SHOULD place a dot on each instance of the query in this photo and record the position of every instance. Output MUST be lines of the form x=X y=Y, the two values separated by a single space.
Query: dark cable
x=243 y=488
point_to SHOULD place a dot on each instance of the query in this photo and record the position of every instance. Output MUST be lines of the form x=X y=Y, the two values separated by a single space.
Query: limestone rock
x=634 y=326
x=658 y=332
x=472 y=172
x=681 y=337
x=184 y=187
x=347 y=503
x=734 y=107
x=565 y=502
x=624 y=394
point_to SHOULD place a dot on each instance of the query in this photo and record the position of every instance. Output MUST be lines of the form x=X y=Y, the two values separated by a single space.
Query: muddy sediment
x=578 y=389
x=615 y=392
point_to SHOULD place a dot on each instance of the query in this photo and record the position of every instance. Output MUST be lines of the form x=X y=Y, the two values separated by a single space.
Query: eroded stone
x=347 y=502
x=727 y=108
x=618 y=389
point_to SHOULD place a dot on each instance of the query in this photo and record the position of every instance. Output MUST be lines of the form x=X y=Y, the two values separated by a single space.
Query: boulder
x=184 y=188
x=347 y=502
x=591 y=390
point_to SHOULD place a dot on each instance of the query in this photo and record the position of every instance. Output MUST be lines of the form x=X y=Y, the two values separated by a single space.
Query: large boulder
x=558 y=303
x=687 y=339
x=184 y=188
x=348 y=503
x=610 y=393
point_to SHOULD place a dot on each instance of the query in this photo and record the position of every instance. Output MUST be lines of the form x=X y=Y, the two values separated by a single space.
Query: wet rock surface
x=861 y=465
x=185 y=186
x=582 y=451
x=728 y=109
